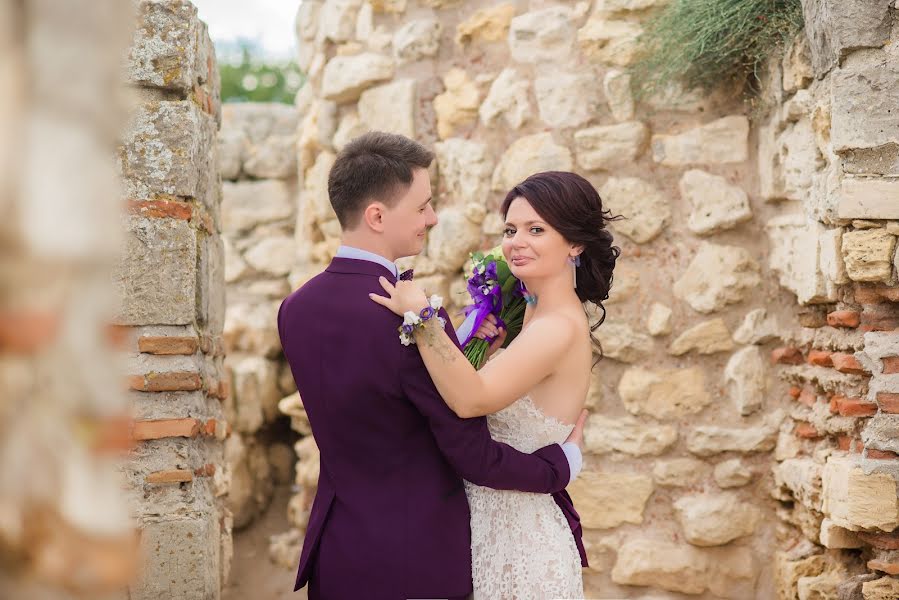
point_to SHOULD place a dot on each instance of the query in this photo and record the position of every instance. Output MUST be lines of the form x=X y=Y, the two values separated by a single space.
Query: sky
x=270 y=23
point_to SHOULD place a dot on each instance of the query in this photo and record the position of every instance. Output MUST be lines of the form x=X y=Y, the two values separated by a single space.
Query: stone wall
x=827 y=159
x=257 y=154
x=65 y=530
x=685 y=412
x=170 y=280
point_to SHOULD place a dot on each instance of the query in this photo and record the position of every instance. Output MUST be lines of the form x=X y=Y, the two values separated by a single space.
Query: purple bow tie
x=406 y=275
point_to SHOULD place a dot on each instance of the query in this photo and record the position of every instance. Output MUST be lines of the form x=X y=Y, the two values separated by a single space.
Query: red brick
x=880 y=454
x=27 y=331
x=172 y=476
x=108 y=436
x=167 y=344
x=806 y=430
x=173 y=381
x=794 y=392
x=871 y=294
x=891 y=568
x=807 y=396
x=209 y=427
x=844 y=318
x=880 y=317
x=884 y=541
x=847 y=363
x=844 y=442
x=171 y=209
x=890 y=365
x=207 y=470
x=820 y=358
x=787 y=355
x=855 y=407
x=889 y=402
x=164 y=428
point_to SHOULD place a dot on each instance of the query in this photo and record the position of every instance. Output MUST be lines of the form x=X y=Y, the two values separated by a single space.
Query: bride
x=555 y=241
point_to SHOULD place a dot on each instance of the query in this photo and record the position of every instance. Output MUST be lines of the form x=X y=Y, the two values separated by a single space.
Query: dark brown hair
x=572 y=206
x=373 y=166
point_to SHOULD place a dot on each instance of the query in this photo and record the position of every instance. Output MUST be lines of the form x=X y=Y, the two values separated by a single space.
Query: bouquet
x=493 y=290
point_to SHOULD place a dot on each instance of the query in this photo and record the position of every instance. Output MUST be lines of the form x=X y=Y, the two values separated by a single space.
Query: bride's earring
x=575 y=263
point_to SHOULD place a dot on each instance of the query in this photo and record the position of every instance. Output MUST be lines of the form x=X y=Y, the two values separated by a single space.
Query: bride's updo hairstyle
x=572 y=206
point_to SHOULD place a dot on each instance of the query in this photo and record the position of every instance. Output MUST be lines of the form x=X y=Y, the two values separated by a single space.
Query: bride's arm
x=507 y=377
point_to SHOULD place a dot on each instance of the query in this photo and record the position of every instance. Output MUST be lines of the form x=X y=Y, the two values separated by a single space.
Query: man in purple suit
x=390 y=519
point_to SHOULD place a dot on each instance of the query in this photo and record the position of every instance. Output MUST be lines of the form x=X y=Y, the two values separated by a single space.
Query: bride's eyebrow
x=511 y=224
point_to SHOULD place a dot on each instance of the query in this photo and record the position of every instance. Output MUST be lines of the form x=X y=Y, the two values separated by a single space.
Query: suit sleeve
x=467 y=445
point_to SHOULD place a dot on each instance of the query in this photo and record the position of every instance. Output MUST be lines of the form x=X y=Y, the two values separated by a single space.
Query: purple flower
x=407 y=329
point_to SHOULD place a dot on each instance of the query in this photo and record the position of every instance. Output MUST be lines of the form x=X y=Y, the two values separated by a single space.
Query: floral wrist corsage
x=412 y=320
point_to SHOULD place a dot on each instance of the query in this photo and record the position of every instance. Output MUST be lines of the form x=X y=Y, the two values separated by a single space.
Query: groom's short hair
x=373 y=166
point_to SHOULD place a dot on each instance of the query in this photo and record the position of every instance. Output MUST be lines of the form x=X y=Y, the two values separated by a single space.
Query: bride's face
x=532 y=248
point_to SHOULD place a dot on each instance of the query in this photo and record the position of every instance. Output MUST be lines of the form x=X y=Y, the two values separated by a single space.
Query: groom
x=390 y=519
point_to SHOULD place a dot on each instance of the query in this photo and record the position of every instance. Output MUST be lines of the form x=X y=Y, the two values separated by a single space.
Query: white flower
x=436 y=301
x=442 y=322
x=410 y=318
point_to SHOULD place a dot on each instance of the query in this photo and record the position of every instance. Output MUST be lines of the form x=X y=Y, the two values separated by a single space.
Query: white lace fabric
x=521 y=545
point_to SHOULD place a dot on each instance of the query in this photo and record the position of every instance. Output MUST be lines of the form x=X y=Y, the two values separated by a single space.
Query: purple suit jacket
x=390 y=519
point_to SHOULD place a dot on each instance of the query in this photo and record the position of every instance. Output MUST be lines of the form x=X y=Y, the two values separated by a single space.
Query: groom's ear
x=373 y=216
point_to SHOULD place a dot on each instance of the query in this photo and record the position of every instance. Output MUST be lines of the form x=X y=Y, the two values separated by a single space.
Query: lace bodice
x=525 y=427
x=521 y=545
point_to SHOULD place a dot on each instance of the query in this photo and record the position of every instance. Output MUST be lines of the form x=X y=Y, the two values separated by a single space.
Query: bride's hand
x=402 y=297
x=487 y=329
x=577 y=434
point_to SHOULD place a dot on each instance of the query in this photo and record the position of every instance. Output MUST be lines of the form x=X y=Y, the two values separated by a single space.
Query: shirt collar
x=359 y=254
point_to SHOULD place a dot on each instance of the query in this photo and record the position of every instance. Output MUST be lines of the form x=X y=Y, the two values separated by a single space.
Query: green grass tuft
x=703 y=44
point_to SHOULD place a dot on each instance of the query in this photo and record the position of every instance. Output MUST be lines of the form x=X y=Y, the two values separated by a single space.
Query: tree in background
x=247 y=77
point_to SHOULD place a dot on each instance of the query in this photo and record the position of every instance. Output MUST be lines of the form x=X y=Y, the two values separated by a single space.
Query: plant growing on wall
x=703 y=44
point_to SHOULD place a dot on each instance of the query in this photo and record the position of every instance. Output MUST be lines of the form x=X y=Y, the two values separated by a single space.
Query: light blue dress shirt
x=571 y=450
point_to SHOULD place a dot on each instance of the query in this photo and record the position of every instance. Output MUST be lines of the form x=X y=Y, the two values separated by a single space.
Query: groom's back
x=390 y=517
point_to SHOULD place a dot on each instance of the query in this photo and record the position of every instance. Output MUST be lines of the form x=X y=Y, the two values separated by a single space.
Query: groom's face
x=408 y=221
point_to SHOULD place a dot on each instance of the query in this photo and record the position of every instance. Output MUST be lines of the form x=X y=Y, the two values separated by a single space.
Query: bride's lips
x=520 y=260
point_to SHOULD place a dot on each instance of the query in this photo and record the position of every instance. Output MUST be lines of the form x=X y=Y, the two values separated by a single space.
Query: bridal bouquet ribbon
x=493 y=290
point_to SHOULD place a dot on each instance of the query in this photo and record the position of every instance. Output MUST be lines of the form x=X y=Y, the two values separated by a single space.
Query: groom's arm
x=467 y=445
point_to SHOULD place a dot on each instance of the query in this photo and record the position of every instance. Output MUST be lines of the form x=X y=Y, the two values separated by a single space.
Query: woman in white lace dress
x=556 y=242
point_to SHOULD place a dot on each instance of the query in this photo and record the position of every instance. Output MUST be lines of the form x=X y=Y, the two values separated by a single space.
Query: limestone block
x=610 y=146
x=857 y=501
x=346 y=77
x=714 y=519
x=156 y=277
x=292 y=406
x=707 y=440
x=716 y=204
x=211 y=284
x=746 y=379
x=706 y=337
x=316 y=132
x=314 y=200
x=167 y=150
x=164 y=48
x=757 y=327
x=246 y=204
x=719 y=142
x=617 y=87
x=627 y=435
x=881 y=432
x=627 y=283
x=236 y=267
x=458 y=105
x=232 y=145
x=620 y=342
x=795 y=257
x=607 y=500
x=507 y=98
x=273 y=255
x=684 y=568
x=567 y=99
x=679 y=472
x=528 y=155
x=663 y=394
x=337 y=20
x=658 y=322
x=465 y=168
x=255 y=394
x=350 y=127
x=868 y=254
x=273 y=159
x=306 y=23
x=609 y=41
x=800 y=159
x=732 y=473
x=180 y=558
x=885 y=588
x=489 y=24
x=453 y=238
x=614 y=6
x=542 y=36
x=831 y=259
x=788 y=571
x=836 y=27
x=389 y=107
x=797 y=65
x=645 y=209
x=834 y=536
x=416 y=40
x=252 y=328
x=868 y=198
x=819 y=587
x=717 y=276
x=802 y=477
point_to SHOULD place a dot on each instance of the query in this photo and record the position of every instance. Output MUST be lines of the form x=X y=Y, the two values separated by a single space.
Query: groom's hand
x=577 y=434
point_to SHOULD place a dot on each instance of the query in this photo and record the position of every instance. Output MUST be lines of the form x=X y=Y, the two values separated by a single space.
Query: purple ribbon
x=488 y=299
